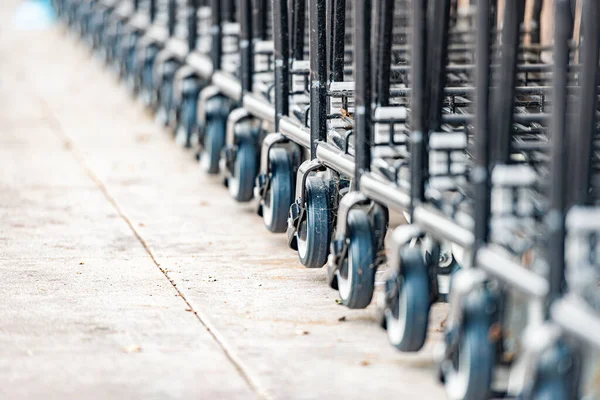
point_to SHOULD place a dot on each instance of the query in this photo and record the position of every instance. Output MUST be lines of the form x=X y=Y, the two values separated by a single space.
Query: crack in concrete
x=202 y=317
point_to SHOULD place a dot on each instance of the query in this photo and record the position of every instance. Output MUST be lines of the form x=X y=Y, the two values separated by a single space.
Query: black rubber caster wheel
x=243 y=176
x=280 y=193
x=214 y=140
x=314 y=233
x=186 y=126
x=408 y=302
x=471 y=367
x=356 y=277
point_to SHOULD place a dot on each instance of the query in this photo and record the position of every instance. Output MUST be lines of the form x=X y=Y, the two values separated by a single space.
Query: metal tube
x=505 y=93
x=246 y=49
x=442 y=227
x=536 y=18
x=152 y=10
x=318 y=74
x=335 y=158
x=363 y=128
x=383 y=193
x=227 y=85
x=299 y=26
x=172 y=17
x=260 y=20
x=559 y=173
x=418 y=120
x=282 y=56
x=575 y=317
x=296 y=133
x=216 y=33
x=258 y=107
x=384 y=52
x=338 y=39
x=508 y=271
x=192 y=20
x=581 y=154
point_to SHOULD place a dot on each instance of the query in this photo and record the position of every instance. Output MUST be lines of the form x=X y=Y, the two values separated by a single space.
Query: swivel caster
x=314 y=230
x=279 y=191
x=164 y=115
x=408 y=301
x=213 y=142
x=243 y=171
x=356 y=273
x=554 y=377
x=187 y=122
x=468 y=371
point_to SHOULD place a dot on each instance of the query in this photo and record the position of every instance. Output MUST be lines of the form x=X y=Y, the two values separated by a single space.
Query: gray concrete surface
x=128 y=273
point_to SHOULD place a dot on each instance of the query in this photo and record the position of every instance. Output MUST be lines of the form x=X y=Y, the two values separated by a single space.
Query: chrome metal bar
x=575 y=317
x=335 y=159
x=294 y=132
x=201 y=64
x=384 y=193
x=259 y=108
x=228 y=85
x=431 y=220
x=510 y=272
x=158 y=33
x=178 y=47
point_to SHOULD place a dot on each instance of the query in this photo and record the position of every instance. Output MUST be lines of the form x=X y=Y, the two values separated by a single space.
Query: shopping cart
x=225 y=91
x=561 y=355
x=169 y=60
x=195 y=74
x=248 y=124
x=284 y=149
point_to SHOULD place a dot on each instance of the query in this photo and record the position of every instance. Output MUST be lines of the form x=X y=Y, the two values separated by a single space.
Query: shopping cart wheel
x=280 y=192
x=555 y=377
x=165 y=98
x=241 y=181
x=186 y=125
x=381 y=219
x=314 y=233
x=147 y=77
x=214 y=140
x=356 y=276
x=407 y=302
x=468 y=374
x=552 y=390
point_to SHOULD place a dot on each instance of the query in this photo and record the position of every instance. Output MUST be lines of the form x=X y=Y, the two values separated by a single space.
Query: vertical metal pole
x=299 y=29
x=559 y=173
x=172 y=17
x=215 y=31
x=481 y=172
x=418 y=111
x=136 y=5
x=246 y=45
x=282 y=57
x=328 y=34
x=192 y=24
x=318 y=74
x=227 y=10
x=152 y=10
x=384 y=53
x=436 y=64
x=260 y=22
x=338 y=40
x=581 y=154
x=536 y=19
x=363 y=129
x=505 y=94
